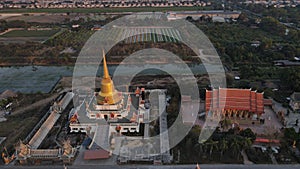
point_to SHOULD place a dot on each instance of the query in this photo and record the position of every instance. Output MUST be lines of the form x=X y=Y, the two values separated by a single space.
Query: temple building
x=234 y=103
x=26 y=155
x=122 y=111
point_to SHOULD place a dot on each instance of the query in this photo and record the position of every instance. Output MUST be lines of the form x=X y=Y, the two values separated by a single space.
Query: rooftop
x=96 y=154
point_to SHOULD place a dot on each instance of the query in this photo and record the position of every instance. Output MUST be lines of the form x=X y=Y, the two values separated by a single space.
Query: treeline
x=263 y=42
x=4 y=24
x=253 y=42
x=290 y=78
x=221 y=147
x=286 y=14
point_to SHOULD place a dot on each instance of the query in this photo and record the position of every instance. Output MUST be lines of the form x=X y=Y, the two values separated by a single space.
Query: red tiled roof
x=96 y=154
x=264 y=140
x=239 y=99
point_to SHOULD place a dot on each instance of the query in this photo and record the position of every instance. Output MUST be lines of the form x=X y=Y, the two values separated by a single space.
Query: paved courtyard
x=271 y=124
x=291 y=118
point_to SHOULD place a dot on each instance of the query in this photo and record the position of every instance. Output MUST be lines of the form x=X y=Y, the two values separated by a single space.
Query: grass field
x=30 y=33
x=55 y=18
x=103 y=10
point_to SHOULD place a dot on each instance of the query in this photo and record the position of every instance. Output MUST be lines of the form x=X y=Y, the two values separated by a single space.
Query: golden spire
x=105 y=69
x=107 y=94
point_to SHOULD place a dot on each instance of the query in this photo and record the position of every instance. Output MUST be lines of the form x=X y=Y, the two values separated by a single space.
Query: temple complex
x=234 y=103
x=123 y=110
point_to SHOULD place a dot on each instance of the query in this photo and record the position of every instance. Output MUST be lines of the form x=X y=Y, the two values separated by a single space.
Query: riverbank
x=16 y=64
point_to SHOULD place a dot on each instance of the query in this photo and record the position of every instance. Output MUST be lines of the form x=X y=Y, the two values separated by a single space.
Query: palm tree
x=223 y=146
x=247 y=142
x=200 y=147
x=235 y=146
x=205 y=147
x=212 y=145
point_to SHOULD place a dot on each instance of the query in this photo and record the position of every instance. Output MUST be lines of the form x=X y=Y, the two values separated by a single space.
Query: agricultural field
x=154 y=35
x=30 y=33
x=50 y=18
x=21 y=36
x=39 y=18
x=149 y=34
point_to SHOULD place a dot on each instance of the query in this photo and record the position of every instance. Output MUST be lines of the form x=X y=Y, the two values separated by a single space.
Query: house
x=295 y=101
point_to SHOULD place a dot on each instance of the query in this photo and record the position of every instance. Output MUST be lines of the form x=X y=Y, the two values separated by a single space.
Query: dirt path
x=35 y=105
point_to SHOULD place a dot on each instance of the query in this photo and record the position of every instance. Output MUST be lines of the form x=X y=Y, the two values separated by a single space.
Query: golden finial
x=105 y=69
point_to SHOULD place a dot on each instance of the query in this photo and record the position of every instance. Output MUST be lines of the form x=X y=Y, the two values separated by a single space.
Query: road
x=164 y=136
x=146 y=121
x=202 y=166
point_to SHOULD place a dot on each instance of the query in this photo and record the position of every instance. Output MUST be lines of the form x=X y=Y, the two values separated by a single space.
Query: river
x=44 y=78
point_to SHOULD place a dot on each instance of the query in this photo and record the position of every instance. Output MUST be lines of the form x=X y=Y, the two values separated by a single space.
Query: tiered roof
x=237 y=99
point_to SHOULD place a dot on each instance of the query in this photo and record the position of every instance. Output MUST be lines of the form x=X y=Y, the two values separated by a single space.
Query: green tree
x=246 y=143
x=248 y=133
x=235 y=146
x=290 y=51
x=266 y=43
x=290 y=134
x=272 y=25
x=223 y=146
x=291 y=78
x=213 y=145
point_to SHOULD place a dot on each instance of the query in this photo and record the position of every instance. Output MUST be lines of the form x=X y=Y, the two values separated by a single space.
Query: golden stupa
x=108 y=94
